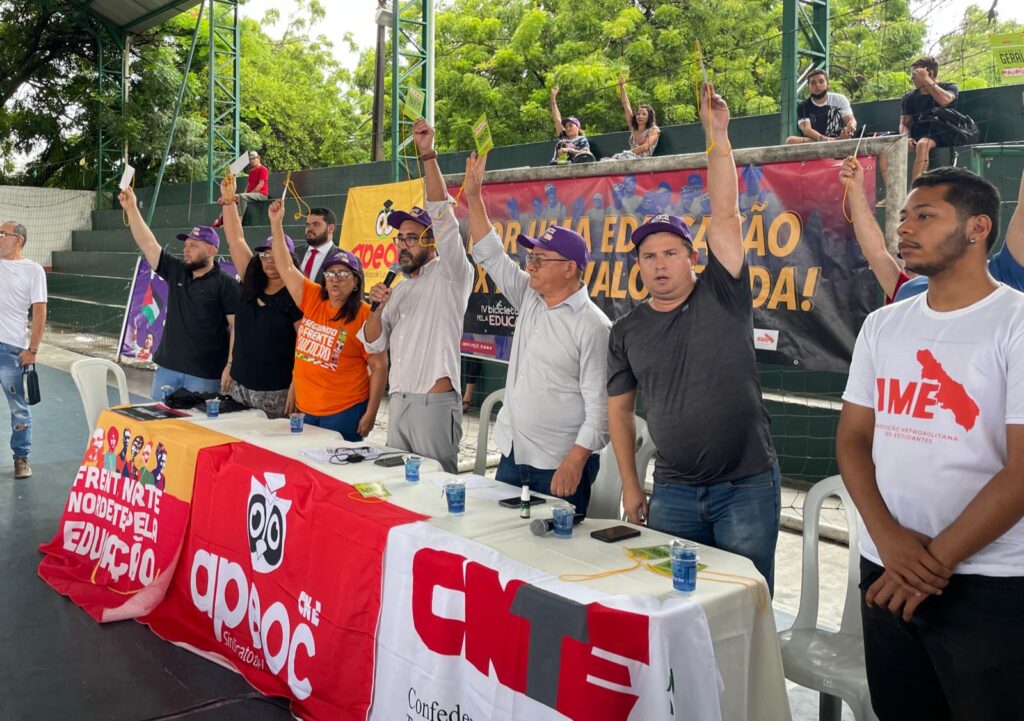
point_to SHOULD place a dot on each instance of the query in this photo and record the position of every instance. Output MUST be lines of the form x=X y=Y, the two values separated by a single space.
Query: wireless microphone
x=393 y=272
x=544 y=526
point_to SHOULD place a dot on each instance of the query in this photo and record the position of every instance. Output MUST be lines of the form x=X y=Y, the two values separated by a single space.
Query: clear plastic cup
x=684 y=565
x=563 y=515
x=296 y=421
x=455 y=493
x=412 y=468
x=213 y=408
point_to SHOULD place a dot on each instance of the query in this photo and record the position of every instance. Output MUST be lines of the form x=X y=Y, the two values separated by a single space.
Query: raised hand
x=852 y=173
x=423 y=134
x=127 y=199
x=475 y=175
x=713 y=114
x=276 y=212
x=554 y=92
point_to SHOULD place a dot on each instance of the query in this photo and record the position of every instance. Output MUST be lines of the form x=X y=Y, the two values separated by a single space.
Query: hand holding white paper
x=239 y=163
x=126 y=176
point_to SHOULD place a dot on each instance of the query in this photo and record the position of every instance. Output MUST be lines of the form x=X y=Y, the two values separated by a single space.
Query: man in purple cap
x=421 y=319
x=554 y=418
x=201 y=304
x=572 y=145
x=690 y=351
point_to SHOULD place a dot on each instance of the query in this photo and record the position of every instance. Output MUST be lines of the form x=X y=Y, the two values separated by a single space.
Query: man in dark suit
x=320 y=224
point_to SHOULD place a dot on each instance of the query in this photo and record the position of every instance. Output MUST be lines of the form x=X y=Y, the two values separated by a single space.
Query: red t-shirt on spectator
x=259 y=181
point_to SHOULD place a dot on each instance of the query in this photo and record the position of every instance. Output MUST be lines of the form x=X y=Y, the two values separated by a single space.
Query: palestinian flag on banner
x=149 y=307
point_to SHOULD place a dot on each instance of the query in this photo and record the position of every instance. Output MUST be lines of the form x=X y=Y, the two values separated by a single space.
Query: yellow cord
x=756 y=589
x=577 y=577
x=299 y=202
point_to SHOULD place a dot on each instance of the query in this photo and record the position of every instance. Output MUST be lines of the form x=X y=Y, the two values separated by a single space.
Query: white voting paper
x=239 y=164
x=126 y=176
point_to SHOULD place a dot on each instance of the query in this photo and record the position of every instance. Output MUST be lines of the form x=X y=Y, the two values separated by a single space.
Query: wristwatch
x=428 y=156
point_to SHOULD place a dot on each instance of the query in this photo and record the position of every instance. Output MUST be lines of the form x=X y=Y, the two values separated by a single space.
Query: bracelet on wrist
x=429 y=156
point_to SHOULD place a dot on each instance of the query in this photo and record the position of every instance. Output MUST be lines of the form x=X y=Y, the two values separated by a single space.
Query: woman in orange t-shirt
x=338 y=385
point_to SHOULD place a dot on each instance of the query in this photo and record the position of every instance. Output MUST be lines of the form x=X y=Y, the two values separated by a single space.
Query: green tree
x=298 y=104
x=965 y=55
x=503 y=56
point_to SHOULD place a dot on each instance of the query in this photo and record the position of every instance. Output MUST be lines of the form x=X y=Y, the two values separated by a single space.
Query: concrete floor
x=832 y=555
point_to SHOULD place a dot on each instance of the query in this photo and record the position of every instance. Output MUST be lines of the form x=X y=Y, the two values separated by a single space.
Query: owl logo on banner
x=382 y=228
x=267 y=522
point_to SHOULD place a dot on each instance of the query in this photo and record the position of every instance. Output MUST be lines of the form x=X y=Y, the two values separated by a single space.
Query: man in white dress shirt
x=554 y=417
x=421 y=318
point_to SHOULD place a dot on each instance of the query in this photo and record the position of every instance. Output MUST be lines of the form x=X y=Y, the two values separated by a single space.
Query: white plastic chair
x=829 y=662
x=480 y=465
x=90 y=377
x=606 y=493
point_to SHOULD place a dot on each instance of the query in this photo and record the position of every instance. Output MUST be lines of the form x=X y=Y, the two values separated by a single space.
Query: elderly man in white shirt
x=555 y=414
x=421 y=319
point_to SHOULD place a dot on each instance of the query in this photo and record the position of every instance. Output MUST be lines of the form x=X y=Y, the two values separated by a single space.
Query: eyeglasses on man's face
x=5 y=234
x=409 y=241
x=534 y=259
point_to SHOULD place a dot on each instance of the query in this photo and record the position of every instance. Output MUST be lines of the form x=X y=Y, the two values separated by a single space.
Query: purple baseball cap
x=663 y=224
x=268 y=243
x=204 y=233
x=417 y=214
x=343 y=257
x=567 y=243
x=572 y=119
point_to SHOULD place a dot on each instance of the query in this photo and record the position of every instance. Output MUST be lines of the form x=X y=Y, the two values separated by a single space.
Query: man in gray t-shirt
x=690 y=351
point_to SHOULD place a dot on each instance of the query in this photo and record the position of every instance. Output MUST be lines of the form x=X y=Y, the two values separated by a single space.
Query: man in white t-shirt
x=22 y=287
x=824 y=115
x=931 y=448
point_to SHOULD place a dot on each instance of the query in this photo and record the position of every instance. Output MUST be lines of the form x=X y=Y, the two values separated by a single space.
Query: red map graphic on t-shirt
x=951 y=395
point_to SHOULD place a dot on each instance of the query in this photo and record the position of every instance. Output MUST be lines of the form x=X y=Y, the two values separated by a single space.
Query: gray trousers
x=428 y=424
x=243 y=200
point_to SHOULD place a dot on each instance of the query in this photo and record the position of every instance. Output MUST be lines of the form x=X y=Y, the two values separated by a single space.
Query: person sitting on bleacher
x=824 y=115
x=643 y=128
x=917 y=116
x=257 y=187
x=572 y=145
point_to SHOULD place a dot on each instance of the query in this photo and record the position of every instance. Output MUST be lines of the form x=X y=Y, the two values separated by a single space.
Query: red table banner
x=281 y=579
x=117 y=545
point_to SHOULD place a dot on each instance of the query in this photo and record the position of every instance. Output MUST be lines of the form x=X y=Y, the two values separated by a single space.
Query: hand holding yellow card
x=482 y=136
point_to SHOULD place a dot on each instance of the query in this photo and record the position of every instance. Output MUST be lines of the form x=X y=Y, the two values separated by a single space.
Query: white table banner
x=467 y=634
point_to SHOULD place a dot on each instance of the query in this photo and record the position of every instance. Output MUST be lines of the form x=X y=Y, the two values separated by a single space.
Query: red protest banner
x=122 y=527
x=280 y=579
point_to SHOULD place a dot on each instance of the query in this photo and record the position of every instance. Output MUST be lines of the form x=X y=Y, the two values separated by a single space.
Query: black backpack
x=961 y=128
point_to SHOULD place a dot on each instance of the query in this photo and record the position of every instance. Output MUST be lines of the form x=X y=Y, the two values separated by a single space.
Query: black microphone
x=544 y=526
x=393 y=272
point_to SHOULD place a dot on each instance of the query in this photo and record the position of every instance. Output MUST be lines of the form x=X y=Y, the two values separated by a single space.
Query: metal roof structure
x=134 y=16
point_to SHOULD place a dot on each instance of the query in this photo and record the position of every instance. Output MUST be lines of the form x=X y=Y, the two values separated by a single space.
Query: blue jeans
x=740 y=516
x=175 y=379
x=14 y=389
x=539 y=479
x=345 y=422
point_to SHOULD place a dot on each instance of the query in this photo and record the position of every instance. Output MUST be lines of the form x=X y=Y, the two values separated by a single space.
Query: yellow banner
x=365 y=230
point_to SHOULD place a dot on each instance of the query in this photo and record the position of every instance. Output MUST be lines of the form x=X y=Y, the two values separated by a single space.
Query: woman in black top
x=259 y=369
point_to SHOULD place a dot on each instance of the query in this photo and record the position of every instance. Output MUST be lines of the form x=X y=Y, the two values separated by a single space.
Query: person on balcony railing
x=824 y=115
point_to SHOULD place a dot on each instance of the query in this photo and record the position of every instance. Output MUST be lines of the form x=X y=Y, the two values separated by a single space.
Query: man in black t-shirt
x=201 y=304
x=690 y=351
x=916 y=119
x=824 y=115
